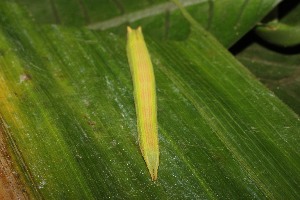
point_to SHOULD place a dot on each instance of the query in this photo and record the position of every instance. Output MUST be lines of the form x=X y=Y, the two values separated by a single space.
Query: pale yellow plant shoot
x=145 y=98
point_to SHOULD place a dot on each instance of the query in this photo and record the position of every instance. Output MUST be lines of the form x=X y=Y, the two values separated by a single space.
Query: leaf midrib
x=137 y=15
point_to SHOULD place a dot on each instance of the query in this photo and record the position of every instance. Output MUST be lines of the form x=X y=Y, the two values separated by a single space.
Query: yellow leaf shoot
x=145 y=98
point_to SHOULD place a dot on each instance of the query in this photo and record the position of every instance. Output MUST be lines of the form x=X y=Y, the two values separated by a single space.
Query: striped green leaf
x=67 y=111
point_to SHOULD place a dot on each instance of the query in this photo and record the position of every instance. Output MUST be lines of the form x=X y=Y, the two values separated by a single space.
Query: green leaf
x=279 y=34
x=278 y=70
x=276 y=66
x=283 y=32
x=227 y=20
x=68 y=111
